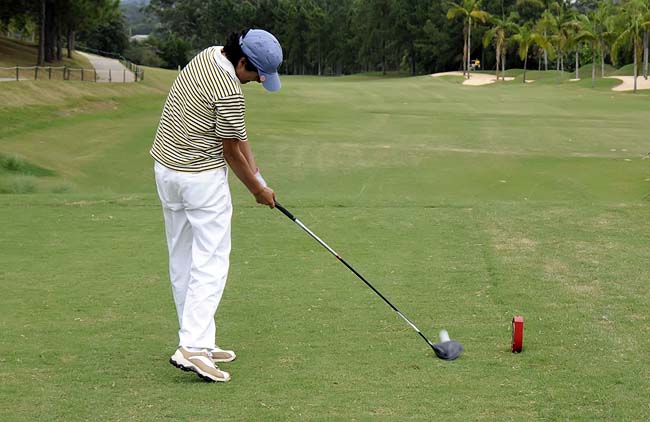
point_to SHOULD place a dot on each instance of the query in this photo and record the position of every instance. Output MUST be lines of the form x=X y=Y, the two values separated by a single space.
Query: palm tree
x=497 y=34
x=575 y=26
x=603 y=19
x=563 y=37
x=526 y=38
x=545 y=26
x=469 y=11
x=589 y=33
x=646 y=35
x=634 y=24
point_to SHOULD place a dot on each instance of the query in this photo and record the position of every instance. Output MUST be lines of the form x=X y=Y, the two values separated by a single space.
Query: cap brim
x=271 y=81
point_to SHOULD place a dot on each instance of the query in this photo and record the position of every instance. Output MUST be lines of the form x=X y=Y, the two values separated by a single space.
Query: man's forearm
x=240 y=165
x=245 y=148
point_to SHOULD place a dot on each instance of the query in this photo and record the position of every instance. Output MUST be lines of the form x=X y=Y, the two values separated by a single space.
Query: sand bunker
x=628 y=83
x=475 y=79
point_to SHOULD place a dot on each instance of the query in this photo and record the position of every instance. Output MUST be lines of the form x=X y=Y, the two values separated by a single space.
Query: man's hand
x=266 y=197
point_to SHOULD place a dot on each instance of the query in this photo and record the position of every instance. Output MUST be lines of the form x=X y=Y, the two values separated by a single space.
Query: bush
x=143 y=54
x=174 y=51
x=19 y=184
x=16 y=164
x=12 y=163
x=63 y=188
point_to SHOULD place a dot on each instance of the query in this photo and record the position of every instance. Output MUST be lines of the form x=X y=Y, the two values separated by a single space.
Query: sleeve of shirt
x=230 y=118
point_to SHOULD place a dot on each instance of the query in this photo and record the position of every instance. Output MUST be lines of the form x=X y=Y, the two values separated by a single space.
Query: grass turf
x=464 y=205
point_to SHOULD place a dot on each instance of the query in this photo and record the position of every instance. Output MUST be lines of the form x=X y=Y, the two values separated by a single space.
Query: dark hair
x=234 y=52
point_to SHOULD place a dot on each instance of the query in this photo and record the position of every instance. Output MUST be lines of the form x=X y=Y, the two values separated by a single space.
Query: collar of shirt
x=223 y=62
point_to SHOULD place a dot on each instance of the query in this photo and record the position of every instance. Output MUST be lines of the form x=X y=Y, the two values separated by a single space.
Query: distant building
x=139 y=38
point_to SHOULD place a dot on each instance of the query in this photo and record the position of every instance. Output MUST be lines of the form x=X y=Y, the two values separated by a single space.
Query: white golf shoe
x=221 y=355
x=199 y=362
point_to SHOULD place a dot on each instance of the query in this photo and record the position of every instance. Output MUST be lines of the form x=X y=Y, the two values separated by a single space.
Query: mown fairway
x=465 y=206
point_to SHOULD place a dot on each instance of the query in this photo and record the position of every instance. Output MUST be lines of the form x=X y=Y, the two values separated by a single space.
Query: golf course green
x=465 y=206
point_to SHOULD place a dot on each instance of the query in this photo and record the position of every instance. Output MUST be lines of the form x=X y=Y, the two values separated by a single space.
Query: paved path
x=107 y=67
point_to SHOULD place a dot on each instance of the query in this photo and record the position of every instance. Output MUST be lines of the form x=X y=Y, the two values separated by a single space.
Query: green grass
x=628 y=70
x=464 y=205
x=15 y=164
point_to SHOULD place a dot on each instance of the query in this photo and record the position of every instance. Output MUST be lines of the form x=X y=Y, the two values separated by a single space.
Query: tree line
x=323 y=36
x=333 y=37
x=58 y=21
x=590 y=31
x=420 y=36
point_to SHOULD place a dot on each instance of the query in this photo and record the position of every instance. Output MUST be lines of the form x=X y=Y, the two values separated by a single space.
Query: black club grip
x=285 y=211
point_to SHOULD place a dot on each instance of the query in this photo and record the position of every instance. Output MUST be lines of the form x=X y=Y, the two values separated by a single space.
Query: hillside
x=13 y=52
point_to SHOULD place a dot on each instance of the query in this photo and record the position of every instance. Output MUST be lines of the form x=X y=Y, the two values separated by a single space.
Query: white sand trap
x=476 y=79
x=574 y=80
x=628 y=83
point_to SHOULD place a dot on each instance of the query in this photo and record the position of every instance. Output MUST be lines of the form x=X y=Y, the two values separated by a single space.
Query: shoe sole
x=189 y=367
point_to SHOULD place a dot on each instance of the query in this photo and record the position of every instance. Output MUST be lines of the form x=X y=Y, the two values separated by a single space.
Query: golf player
x=201 y=133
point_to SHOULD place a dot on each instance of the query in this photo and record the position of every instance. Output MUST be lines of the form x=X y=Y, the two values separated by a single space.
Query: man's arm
x=245 y=148
x=239 y=163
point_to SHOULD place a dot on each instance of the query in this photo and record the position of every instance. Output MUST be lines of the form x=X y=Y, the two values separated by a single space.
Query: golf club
x=447 y=349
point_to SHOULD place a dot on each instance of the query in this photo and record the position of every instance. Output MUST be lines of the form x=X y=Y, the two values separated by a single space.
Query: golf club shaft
x=344 y=262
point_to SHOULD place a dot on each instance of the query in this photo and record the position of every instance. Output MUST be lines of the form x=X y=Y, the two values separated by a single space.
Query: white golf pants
x=197 y=210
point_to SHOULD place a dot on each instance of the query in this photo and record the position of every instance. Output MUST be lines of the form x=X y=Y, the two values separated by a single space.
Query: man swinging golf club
x=201 y=130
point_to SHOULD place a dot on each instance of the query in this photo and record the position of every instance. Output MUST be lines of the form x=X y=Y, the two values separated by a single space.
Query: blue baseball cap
x=265 y=53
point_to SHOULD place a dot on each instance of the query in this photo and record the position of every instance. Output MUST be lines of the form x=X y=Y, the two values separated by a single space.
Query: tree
x=84 y=15
x=511 y=29
x=173 y=51
x=603 y=20
x=374 y=21
x=545 y=26
x=319 y=25
x=526 y=38
x=589 y=32
x=409 y=18
x=497 y=35
x=469 y=11
x=575 y=27
x=646 y=35
x=109 y=35
x=563 y=37
x=438 y=37
x=530 y=10
x=634 y=23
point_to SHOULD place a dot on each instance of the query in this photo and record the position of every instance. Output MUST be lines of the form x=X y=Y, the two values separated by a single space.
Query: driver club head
x=447 y=349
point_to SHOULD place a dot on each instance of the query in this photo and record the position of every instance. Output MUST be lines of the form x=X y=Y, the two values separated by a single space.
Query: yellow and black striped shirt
x=205 y=105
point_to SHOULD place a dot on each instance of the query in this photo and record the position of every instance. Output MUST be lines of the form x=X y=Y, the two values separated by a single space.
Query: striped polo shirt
x=205 y=105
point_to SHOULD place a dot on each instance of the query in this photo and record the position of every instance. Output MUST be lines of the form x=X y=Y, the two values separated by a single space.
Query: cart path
x=107 y=67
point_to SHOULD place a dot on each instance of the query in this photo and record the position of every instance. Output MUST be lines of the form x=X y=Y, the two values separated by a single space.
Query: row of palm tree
x=606 y=30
